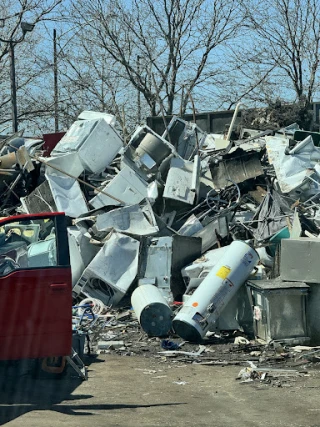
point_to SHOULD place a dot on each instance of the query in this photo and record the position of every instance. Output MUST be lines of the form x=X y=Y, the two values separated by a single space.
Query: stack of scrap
x=184 y=218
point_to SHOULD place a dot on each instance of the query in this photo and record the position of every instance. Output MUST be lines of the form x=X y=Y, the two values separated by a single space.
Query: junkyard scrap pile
x=197 y=234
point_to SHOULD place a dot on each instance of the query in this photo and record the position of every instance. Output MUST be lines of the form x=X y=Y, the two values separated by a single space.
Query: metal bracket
x=79 y=367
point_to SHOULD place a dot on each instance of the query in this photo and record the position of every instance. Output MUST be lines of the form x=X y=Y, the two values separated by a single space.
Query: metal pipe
x=298 y=147
x=195 y=173
x=233 y=121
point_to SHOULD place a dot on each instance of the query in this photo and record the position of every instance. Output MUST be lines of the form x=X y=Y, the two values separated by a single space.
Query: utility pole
x=139 y=94
x=26 y=28
x=14 y=109
x=56 y=89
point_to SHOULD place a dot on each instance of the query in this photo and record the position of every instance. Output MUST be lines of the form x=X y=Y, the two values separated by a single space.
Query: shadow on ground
x=21 y=392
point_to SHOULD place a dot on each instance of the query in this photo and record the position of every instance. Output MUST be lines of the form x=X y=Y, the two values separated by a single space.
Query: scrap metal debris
x=185 y=227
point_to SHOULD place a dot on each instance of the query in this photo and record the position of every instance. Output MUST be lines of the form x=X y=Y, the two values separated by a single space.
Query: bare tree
x=160 y=46
x=32 y=99
x=283 y=43
x=90 y=80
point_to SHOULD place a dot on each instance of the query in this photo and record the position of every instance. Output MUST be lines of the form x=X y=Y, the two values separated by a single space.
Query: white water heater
x=152 y=310
x=206 y=303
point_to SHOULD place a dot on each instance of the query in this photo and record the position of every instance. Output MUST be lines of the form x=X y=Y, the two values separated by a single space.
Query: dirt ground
x=138 y=391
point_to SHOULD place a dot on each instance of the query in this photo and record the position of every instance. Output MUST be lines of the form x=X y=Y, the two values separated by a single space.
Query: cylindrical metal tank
x=42 y=253
x=152 y=310
x=204 y=306
x=154 y=147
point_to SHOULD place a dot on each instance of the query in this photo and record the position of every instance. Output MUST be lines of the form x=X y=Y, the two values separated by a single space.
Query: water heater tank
x=204 y=306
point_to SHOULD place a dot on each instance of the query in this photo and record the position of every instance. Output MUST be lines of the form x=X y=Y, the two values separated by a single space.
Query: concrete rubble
x=206 y=234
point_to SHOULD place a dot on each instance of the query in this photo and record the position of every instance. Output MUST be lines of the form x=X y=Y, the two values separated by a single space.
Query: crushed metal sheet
x=237 y=169
x=136 y=220
x=69 y=162
x=67 y=195
x=109 y=281
x=126 y=183
x=183 y=181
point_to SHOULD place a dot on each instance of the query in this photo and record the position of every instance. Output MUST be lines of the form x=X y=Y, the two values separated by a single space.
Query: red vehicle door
x=35 y=287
